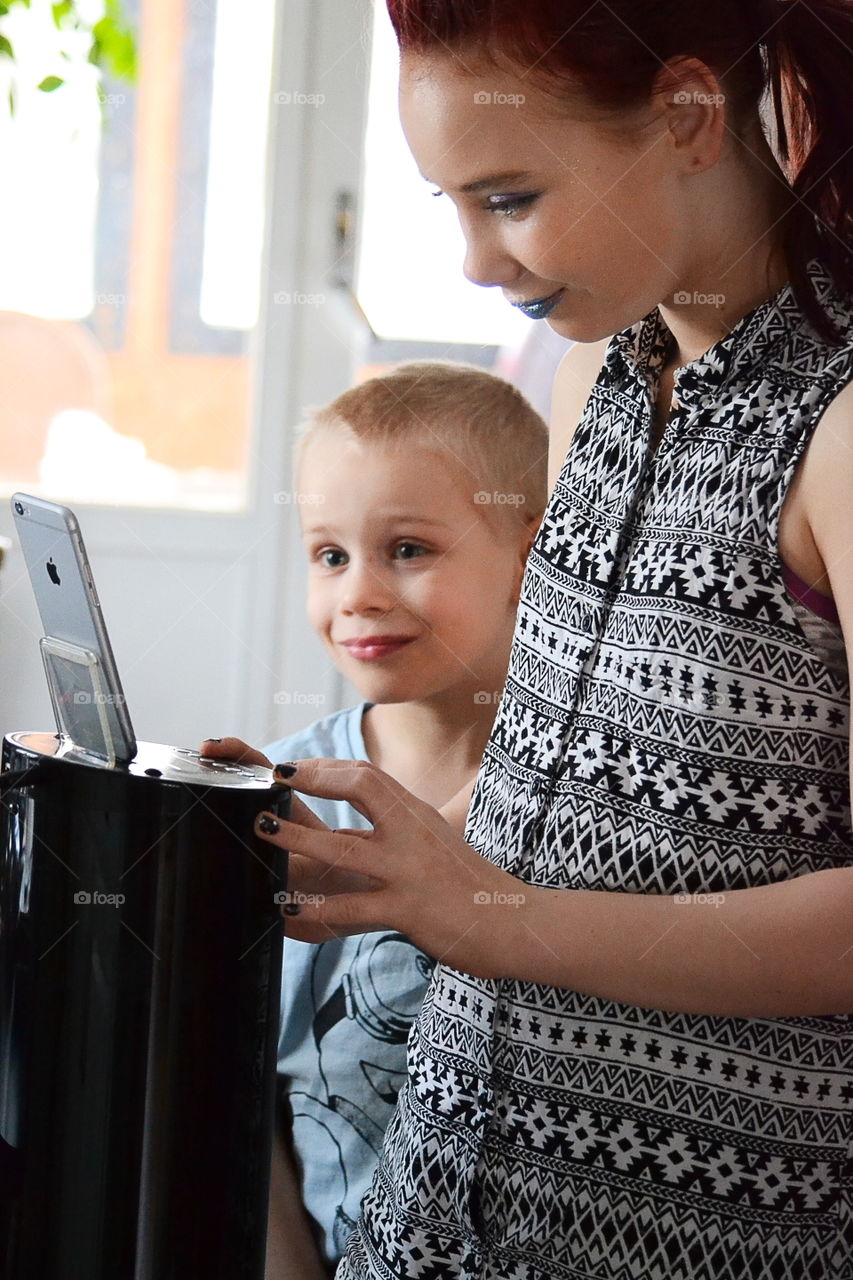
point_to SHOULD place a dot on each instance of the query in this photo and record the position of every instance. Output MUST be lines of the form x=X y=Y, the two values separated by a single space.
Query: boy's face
x=410 y=588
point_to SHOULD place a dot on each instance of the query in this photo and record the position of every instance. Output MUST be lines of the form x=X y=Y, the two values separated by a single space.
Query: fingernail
x=285 y=770
x=213 y=739
x=290 y=909
x=268 y=825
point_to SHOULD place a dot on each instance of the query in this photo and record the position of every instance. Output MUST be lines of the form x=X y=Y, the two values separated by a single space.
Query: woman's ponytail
x=809 y=47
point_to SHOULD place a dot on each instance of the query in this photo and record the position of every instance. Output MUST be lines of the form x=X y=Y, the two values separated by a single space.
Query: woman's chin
x=573 y=328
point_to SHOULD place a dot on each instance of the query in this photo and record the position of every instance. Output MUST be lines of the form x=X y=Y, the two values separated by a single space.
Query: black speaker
x=140 y=969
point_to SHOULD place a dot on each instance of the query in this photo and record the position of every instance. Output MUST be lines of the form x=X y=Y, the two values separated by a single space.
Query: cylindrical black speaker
x=140 y=963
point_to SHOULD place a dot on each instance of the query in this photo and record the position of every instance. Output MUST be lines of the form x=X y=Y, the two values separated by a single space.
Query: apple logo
x=52 y=571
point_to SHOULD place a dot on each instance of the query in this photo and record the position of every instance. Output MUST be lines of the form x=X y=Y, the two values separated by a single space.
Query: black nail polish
x=290 y=909
x=213 y=739
x=268 y=825
x=285 y=770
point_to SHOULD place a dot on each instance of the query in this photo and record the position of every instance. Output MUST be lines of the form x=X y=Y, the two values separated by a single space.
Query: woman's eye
x=410 y=550
x=510 y=205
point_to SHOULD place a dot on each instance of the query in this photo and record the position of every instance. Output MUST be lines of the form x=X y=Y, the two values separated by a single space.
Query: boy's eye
x=410 y=550
x=331 y=557
x=510 y=205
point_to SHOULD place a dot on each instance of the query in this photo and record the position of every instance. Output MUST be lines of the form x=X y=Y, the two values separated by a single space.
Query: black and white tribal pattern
x=665 y=728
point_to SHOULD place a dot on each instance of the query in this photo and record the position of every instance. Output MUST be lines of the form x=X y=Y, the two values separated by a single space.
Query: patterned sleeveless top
x=666 y=728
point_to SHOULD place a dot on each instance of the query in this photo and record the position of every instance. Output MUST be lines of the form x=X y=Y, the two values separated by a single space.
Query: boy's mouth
x=368 y=648
x=539 y=308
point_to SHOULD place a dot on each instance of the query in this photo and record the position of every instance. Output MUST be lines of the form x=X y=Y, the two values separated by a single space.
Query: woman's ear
x=695 y=110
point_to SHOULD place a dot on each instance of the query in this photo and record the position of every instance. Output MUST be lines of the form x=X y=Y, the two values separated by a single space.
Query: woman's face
x=552 y=206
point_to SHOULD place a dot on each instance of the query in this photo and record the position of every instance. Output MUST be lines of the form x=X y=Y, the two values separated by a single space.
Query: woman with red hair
x=635 y=1059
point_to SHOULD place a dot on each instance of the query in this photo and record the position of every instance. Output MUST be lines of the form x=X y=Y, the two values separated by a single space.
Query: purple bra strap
x=823 y=606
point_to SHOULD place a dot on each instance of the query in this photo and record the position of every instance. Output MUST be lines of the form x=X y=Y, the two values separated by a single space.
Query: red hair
x=798 y=51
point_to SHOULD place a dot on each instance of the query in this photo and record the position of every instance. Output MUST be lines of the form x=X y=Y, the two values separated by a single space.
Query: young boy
x=426 y=488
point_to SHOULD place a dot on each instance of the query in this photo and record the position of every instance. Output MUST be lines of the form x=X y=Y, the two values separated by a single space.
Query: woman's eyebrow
x=480 y=184
x=495 y=180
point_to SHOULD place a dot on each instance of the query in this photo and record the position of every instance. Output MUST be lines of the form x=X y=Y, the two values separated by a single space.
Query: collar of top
x=752 y=343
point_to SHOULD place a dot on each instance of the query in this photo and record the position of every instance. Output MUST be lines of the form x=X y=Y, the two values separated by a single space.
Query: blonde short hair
x=476 y=419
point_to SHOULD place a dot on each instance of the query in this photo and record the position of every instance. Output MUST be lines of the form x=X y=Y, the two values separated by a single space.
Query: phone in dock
x=85 y=689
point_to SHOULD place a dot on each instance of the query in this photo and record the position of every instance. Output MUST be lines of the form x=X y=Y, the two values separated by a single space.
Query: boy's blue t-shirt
x=346 y=1009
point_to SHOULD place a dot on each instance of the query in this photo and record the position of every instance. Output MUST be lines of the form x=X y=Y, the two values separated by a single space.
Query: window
x=130 y=260
x=409 y=277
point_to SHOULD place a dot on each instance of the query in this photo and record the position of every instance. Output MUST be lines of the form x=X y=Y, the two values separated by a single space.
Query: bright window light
x=410 y=280
x=50 y=168
x=234 y=214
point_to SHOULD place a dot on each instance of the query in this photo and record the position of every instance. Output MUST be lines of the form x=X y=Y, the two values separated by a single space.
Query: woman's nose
x=486 y=261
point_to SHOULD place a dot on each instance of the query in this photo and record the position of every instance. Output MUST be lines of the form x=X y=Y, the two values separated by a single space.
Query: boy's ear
x=531 y=528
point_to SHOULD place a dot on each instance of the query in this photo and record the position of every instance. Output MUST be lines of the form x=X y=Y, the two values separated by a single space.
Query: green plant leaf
x=112 y=41
x=116 y=45
x=61 y=11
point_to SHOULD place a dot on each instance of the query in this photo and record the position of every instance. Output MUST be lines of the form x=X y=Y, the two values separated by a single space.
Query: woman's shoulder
x=821 y=492
x=826 y=472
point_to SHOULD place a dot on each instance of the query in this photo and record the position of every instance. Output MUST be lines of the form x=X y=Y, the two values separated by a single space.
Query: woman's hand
x=417 y=874
x=233 y=749
x=303 y=874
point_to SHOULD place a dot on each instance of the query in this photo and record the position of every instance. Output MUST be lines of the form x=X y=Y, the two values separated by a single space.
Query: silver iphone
x=84 y=685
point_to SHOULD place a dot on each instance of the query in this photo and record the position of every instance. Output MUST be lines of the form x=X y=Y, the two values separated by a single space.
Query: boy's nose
x=365 y=591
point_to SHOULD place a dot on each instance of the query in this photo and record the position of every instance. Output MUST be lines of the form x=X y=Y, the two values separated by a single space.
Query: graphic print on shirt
x=373 y=1005
x=666 y=727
